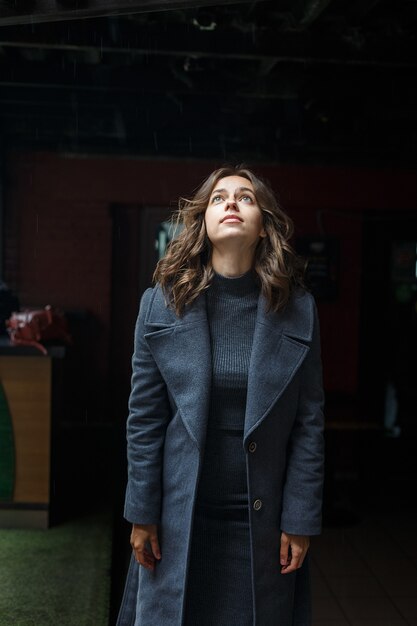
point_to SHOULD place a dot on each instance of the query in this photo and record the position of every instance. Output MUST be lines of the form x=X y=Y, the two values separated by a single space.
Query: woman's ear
x=263 y=232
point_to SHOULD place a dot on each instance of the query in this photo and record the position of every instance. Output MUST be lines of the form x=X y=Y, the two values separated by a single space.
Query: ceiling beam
x=136 y=41
x=136 y=84
x=14 y=12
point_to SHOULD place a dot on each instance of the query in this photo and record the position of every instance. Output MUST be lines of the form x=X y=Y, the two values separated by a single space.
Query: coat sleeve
x=303 y=487
x=149 y=413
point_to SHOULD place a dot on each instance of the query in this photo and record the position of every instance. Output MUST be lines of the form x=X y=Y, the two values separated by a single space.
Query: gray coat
x=283 y=441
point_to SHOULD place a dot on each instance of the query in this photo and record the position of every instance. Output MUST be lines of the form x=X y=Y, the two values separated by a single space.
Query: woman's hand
x=292 y=552
x=145 y=544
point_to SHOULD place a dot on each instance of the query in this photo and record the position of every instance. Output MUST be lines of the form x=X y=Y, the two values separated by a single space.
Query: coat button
x=252 y=446
x=257 y=505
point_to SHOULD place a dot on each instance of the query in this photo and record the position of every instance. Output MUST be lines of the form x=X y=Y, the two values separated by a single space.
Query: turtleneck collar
x=235 y=286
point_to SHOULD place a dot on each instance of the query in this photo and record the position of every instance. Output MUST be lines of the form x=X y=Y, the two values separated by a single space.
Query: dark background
x=109 y=113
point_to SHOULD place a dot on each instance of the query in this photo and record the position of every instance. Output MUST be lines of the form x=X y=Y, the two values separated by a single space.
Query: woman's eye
x=217 y=198
x=246 y=198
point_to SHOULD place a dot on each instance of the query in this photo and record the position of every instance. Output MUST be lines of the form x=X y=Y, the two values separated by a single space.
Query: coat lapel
x=182 y=352
x=181 y=349
x=279 y=347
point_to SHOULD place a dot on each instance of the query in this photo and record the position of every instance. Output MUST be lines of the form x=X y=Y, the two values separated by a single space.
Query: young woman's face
x=233 y=215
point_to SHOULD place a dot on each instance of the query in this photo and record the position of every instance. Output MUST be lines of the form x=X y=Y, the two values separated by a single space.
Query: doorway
x=388 y=342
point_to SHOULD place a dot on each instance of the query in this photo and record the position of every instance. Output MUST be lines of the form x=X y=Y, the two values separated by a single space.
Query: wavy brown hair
x=186 y=270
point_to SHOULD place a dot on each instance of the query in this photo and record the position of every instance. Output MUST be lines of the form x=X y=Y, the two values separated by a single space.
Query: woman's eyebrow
x=238 y=190
x=245 y=189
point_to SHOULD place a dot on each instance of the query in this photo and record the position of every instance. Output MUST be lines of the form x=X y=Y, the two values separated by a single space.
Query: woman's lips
x=232 y=218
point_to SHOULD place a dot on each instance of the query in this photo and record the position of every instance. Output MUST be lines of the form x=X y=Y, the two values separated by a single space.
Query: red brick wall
x=58 y=230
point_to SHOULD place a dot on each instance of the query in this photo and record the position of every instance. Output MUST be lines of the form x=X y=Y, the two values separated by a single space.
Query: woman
x=225 y=430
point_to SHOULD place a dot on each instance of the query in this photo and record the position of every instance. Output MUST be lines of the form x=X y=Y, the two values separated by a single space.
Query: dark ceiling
x=313 y=81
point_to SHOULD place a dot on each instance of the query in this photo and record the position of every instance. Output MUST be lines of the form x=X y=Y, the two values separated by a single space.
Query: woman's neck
x=230 y=264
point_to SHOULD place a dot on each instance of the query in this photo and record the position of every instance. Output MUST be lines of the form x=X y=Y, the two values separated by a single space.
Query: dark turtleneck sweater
x=231 y=308
x=219 y=591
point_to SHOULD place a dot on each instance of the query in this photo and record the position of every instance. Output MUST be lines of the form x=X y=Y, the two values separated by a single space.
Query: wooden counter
x=27 y=380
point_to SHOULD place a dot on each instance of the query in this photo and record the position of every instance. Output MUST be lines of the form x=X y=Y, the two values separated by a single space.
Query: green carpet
x=57 y=577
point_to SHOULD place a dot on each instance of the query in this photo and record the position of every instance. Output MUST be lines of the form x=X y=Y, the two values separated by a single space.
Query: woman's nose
x=231 y=204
